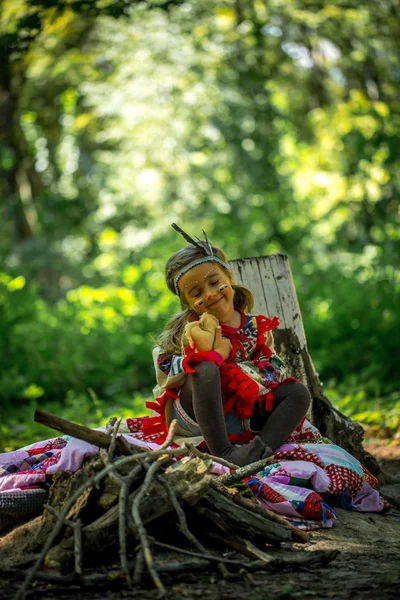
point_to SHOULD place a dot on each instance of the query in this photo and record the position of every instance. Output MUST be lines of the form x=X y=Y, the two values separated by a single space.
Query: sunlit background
x=273 y=126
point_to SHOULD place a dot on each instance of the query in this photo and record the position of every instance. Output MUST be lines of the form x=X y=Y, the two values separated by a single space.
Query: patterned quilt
x=309 y=475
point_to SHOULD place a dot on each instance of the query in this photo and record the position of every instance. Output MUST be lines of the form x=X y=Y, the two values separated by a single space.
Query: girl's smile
x=214 y=303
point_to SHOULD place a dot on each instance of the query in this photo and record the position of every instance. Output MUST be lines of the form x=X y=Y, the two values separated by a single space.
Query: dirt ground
x=367 y=566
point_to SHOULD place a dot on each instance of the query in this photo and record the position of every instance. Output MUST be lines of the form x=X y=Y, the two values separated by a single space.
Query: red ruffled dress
x=248 y=377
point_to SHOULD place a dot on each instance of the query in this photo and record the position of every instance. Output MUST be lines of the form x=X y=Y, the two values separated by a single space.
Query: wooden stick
x=70 y=579
x=138 y=572
x=171 y=434
x=111 y=449
x=247 y=471
x=205 y=456
x=76 y=527
x=97 y=438
x=144 y=541
x=124 y=483
x=183 y=526
x=100 y=579
x=205 y=554
x=250 y=504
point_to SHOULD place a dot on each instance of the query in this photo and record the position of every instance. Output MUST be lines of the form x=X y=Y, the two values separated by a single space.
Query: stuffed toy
x=201 y=334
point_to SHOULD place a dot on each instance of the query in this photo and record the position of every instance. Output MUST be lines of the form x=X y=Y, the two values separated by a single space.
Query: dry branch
x=144 y=541
x=97 y=438
x=252 y=505
x=247 y=523
x=247 y=471
x=76 y=527
x=147 y=485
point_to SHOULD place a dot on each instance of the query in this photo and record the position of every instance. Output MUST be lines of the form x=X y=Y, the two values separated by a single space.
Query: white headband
x=194 y=263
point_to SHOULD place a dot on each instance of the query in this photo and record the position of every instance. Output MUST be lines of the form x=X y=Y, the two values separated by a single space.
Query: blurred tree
x=275 y=126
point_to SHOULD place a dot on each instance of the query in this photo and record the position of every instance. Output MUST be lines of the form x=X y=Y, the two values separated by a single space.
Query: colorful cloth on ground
x=308 y=469
x=307 y=473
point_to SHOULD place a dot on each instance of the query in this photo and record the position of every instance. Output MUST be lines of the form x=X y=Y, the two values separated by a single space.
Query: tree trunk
x=9 y=124
x=270 y=280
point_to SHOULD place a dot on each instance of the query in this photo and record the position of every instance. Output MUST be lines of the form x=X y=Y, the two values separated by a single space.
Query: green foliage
x=380 y=415
x=350 y=315
x=274 y=126
x=93 y=338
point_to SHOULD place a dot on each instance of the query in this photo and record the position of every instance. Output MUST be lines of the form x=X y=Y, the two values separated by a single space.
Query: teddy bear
x=205 y=335
x=201 y=334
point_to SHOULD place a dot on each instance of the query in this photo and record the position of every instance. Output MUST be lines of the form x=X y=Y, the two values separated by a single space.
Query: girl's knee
x=302 y=393
x=295 y=390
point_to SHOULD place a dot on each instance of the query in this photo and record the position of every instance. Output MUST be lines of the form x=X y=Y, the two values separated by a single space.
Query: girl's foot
x=248 y=453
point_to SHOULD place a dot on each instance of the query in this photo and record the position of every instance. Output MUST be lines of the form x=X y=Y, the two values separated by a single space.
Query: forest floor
x=367 y=566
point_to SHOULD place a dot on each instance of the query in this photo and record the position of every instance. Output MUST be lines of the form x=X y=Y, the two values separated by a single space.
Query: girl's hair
x=170 y=339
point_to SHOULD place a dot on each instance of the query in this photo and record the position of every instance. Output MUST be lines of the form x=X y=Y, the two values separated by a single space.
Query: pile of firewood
x=147 y=503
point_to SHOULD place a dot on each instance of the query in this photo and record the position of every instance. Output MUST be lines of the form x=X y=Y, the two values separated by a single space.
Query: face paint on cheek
x=223 y=287
x=198 y=303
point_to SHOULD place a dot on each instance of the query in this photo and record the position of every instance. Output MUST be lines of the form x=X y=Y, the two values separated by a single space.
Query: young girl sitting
x=217 y=372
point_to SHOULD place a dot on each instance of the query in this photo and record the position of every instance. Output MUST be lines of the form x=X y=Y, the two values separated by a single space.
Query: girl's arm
x=169 y=371
x=269 y=341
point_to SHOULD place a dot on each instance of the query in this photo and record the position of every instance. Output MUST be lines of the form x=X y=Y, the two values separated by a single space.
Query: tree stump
x=270 y=279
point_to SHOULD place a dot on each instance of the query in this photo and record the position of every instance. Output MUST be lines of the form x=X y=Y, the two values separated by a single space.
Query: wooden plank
x=270 y=288
x=291 y=315
x=260 y=281
x=270 y=279
x=246 y=273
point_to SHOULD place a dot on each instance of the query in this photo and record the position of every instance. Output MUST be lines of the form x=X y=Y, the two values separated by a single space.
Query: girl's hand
x=187 y=339
x=222 y=345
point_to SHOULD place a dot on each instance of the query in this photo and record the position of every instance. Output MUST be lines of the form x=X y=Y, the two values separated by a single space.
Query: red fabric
x=262 y=350
x=158 y=424
x=193 y=358
x=343 y=478
x=264 y=492
x=299 y=454
x=240 y=392
x=243 y=438
x=265 y=324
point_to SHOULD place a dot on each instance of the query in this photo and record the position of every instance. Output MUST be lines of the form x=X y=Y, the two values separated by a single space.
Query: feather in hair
x=186 y=236
x=208 y=244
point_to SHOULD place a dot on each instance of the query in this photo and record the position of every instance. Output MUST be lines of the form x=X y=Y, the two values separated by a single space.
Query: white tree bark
x=270 y=279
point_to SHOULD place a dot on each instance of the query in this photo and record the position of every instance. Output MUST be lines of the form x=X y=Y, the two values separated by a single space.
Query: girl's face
x=208 y=288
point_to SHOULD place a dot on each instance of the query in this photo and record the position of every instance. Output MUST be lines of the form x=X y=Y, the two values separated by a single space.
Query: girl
x=231 y=391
